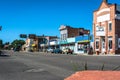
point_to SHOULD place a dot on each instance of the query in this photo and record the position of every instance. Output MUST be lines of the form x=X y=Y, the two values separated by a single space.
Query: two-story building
x=69 y=37
x=106 y=28
x=49 y=42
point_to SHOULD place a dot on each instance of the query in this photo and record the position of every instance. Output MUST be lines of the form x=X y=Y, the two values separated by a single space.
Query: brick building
x=106 y=28
x=68 y=36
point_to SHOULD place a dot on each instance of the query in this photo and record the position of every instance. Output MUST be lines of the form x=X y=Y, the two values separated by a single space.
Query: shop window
x=64 y=36
x=97 y=44
x=110 y=26
x=110 y=44
x=80 y=47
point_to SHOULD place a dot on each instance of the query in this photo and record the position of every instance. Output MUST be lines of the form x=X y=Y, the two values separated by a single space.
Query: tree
x=17 y=43
x=7 y=43
x=1 y=44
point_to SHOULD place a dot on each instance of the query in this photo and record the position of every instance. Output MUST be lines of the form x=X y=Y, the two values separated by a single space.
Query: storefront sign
x=100 y=31
x=70 y=40
x=63 y=42
x=53 y=43
x=103 y=18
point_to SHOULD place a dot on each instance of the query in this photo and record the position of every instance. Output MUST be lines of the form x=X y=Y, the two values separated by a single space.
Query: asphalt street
x=46 y=66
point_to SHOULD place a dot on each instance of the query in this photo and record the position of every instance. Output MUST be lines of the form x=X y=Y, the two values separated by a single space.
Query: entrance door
x=103 y=44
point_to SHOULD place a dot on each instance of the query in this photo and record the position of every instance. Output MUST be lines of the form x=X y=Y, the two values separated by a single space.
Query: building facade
x=83 y=44
x=106 y=28
x=69 y=37
x=49 y=42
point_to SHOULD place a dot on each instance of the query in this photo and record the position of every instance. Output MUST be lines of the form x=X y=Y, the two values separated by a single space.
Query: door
x=103 y=45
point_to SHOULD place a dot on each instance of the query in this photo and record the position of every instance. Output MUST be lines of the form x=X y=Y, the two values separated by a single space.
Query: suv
x=67 y=51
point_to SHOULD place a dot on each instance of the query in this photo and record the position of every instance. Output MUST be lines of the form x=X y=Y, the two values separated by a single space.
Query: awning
x=84 y=41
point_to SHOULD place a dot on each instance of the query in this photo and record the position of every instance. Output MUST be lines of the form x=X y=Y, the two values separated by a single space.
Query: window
x=61 y=37
x=65 y=36
x=110 y=26
x=97 y=44
x=110 y=44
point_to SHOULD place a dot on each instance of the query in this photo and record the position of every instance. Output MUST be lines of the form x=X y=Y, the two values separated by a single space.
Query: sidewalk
x=95 y=75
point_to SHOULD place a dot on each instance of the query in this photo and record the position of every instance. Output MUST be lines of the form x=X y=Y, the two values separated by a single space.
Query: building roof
x=105 y=3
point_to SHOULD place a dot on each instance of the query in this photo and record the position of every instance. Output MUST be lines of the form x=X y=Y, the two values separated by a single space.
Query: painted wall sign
x=103 y=18
x=100 y=31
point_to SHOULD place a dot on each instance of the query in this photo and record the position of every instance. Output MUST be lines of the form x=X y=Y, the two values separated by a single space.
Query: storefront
x=106 y=24
x=82 y=45
x=69 y=43
x=54 y=44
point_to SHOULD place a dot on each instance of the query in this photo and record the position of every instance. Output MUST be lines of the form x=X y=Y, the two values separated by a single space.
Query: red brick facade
x=106 y=29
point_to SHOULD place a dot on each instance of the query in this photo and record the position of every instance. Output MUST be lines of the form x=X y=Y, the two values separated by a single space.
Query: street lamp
x=43 y=42
x=88 y=32
x=0 y=28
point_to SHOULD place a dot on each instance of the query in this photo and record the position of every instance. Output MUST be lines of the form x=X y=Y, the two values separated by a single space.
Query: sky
x=45 y=16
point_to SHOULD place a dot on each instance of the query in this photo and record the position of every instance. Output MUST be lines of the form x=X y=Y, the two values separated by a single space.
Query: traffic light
x=23 y=36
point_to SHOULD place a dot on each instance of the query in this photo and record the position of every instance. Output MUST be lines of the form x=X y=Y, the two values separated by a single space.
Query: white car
x=49 y=50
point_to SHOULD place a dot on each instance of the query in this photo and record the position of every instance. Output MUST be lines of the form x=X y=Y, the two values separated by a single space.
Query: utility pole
x=0 y=30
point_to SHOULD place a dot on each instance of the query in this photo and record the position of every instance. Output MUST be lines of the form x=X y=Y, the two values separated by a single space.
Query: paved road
x=43 y=66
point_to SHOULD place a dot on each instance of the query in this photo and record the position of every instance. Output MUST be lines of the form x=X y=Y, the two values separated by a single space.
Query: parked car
x=16 y=49
x=49 y=50
x=67 y=51
x=57 y=50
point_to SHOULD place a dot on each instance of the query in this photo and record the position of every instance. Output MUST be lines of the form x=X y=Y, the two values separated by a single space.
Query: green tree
x=17 y=43
x=1 y=44
x=7 y=43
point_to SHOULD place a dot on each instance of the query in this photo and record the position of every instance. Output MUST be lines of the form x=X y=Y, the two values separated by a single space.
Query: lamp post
x=0 y=28
x=44 y=42
x=88 y=41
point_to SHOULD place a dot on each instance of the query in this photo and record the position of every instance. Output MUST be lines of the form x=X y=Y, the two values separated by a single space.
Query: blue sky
x=44 y=16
